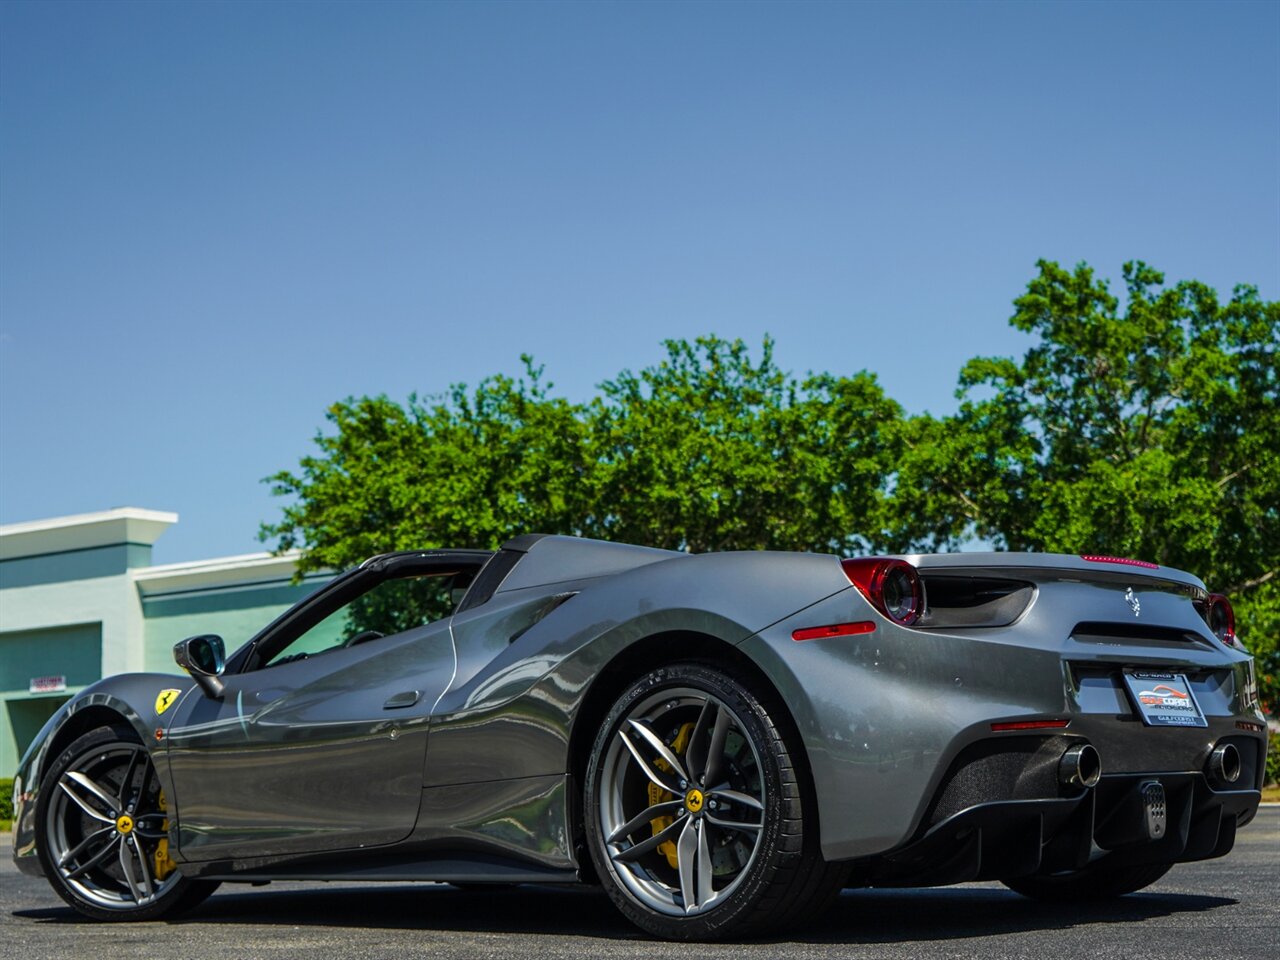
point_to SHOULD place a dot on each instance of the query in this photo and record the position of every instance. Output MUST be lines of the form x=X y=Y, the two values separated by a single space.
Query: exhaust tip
x=1224 y=763
x=1080 y=766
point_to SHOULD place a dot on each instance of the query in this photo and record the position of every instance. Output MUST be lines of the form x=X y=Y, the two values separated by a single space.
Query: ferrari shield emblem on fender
x=1134 y=602
x=164 y=700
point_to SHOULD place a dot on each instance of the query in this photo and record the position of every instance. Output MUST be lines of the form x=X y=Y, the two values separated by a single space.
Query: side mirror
x=204 y=658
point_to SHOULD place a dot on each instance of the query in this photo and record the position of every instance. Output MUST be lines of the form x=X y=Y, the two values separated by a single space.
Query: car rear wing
x=1058 y=566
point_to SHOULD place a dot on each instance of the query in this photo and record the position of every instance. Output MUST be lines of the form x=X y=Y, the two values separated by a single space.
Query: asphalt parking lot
x=1219 y=908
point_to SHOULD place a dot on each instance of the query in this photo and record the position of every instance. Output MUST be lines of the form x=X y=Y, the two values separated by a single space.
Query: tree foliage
x=470 y=468
x=1145 y=425
x=1149 y=430
x=704 y=451
x=708 y=451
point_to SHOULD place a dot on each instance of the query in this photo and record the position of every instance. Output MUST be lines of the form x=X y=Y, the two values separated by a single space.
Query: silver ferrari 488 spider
x=722 y=741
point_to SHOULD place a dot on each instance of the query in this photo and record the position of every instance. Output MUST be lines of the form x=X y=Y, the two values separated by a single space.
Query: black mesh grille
x=1016 y=768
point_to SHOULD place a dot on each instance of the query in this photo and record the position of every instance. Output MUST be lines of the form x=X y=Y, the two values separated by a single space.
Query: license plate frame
x=1164 y=699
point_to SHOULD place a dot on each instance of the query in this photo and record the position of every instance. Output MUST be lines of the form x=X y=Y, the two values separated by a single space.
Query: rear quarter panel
x=513 y=717
x=883 y=714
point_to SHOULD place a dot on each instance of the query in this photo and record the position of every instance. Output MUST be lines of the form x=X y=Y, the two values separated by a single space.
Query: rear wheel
x=102 y=822
x=1098 y=881
x=699 y=819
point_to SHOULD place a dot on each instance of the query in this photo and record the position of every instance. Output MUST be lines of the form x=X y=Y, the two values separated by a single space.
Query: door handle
x=406 y=699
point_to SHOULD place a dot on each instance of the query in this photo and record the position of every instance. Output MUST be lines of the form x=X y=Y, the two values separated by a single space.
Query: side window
x=390 y=607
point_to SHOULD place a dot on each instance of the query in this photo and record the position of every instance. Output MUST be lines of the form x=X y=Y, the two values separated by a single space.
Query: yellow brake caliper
x=658 y=795
x=164 y=864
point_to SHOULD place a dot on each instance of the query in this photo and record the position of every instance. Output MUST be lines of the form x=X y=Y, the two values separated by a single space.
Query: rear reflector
x=1092 y=558
x=833 y=630
x=1030 y=725
x=1247 y=725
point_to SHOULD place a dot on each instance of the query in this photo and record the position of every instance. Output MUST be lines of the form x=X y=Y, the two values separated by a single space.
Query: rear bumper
x=885 y=715
x=980 y=828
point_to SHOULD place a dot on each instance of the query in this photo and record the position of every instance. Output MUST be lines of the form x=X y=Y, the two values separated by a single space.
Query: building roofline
x=239 y=561
x=83 y=531
x=217 y=572
x=85 y=519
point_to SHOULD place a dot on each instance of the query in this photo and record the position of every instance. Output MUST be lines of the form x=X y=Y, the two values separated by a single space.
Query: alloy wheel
x=107 y=829
x=682 y=801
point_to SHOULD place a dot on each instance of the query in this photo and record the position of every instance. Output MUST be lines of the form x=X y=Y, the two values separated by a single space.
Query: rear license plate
x=1164 y=699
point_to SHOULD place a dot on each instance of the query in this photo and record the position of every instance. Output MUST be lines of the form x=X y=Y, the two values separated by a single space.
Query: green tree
x=1145 y=425
x=710 y=451
x=1148 y=430
x=704 y=451
x=465 y=469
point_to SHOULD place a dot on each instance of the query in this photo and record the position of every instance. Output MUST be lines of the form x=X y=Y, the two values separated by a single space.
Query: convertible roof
x=396 y=556
x=540 y=559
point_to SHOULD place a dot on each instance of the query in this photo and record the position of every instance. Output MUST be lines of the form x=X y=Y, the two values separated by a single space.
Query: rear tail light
x=1221 y=618
x=891 y=586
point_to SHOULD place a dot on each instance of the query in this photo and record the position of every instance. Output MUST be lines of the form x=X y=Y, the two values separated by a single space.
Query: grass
x=1271 y=794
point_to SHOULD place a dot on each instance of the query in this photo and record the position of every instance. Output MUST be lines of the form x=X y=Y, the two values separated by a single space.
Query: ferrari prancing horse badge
x=165 y=700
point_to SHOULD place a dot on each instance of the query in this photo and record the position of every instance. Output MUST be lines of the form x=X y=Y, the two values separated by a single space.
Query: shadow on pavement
x=584 y=911
x=903 y=916
x=860 y=916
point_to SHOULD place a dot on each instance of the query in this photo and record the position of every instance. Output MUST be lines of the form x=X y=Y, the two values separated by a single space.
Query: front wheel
x=1098 y=881
x=102 y=822
x=699 y=816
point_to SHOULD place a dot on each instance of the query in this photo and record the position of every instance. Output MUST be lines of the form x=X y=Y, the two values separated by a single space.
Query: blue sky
x=217 y=219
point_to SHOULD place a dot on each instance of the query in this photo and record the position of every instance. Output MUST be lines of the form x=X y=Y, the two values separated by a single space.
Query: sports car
x=722 y=741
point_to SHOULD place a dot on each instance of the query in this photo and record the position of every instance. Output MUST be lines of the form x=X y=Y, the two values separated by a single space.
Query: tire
x=700 y=819
x=100 y=825
x=1098 y=881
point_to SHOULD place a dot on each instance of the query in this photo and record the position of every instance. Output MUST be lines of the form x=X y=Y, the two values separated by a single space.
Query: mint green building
x=80 y=600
